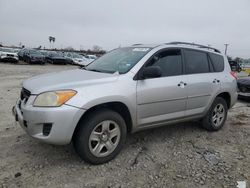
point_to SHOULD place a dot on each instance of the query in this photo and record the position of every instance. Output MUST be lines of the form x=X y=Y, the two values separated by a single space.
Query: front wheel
x=216 y=116
x=100 y=137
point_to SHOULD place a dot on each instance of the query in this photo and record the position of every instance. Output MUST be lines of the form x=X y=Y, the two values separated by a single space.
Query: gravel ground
x=182 y=155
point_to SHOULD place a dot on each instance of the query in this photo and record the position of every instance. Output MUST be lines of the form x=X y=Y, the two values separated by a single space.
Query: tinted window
x=34 y=52
x=217 y=62
x=196 y=62
x=169 y=61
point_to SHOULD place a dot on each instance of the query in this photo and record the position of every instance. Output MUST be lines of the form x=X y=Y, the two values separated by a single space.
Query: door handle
x=182 y=84
x=216 y=81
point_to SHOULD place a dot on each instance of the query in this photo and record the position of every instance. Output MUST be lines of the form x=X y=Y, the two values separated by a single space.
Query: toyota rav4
x=127 y=90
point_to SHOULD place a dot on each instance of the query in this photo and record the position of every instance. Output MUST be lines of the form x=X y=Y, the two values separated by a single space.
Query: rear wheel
x=100 y=136
x=216 y=116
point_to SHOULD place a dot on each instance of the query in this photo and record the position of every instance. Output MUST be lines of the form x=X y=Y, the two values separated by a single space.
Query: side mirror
x=151 y=72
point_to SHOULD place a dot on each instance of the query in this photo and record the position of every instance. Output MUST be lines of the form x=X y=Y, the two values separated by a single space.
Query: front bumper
x=9 y=58
x=60 y=61
x=34 y=120
x=37 y=60
x=244 y=94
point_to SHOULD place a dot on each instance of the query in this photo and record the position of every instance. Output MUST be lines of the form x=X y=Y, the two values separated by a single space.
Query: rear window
x=217 y=62
x=196 y=62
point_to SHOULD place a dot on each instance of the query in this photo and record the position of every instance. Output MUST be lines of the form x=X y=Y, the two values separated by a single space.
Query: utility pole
x=226 y=45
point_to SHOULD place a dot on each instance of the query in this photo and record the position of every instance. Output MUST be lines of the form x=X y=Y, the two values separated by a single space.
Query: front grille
x=244 y=89
x=10 y=55
x=25 y=94
x=46 y=128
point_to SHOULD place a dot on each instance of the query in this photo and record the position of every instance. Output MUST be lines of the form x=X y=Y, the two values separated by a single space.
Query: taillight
x=234 y=74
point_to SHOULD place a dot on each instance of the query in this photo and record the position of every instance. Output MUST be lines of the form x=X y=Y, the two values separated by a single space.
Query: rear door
x=202 y=82
x=162 y=99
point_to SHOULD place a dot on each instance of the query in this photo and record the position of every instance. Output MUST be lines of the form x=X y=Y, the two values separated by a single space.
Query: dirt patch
x=182 y=155
x=241 y=116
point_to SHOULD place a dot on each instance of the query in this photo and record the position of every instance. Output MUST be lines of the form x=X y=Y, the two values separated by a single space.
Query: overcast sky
x=113 y=23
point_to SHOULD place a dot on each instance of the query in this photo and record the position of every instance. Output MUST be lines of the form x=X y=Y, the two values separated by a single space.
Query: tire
x=218 y=110
x=91 y=134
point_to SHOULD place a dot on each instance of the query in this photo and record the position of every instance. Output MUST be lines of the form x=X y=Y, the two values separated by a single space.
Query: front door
x=162 y=99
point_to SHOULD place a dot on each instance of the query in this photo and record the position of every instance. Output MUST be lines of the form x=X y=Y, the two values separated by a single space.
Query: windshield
x=34 y=52
x=56 y=54
x=77 y=56
x=6 y=50
x=120 y=60
x=44 y=53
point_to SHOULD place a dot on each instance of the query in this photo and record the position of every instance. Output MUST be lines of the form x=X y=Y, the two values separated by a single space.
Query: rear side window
x=217 y=62
x=196 y=62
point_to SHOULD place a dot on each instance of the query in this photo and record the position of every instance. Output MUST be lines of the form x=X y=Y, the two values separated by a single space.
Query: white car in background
x=8 y=54
x=79 y=59
x=91 y=57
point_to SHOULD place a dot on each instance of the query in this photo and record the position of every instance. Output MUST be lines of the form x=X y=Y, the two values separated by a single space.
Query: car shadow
x=57 y=155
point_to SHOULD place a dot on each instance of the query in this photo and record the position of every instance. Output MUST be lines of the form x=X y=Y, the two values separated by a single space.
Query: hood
x=58 y=57
x=77 y=59
x=9 y=53
x=71 y=79
x=244 y=81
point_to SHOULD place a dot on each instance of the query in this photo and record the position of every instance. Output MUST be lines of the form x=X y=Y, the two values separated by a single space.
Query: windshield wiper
x=95 y=70
x=102 y=71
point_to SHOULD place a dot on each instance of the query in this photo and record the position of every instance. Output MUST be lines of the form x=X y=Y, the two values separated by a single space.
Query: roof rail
x=136 y=44
x=198 y=45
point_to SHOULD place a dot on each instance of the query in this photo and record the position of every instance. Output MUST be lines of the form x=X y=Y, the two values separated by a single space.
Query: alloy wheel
x=218 y=115
x=104 y=138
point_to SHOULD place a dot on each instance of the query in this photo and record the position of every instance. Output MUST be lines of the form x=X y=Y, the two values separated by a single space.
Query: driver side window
x=169 y=61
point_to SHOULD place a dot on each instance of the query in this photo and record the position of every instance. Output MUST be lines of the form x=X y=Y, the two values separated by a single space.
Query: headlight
x=53 y=98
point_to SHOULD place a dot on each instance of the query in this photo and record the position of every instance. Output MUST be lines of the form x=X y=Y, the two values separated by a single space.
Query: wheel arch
x=227 y=97
x=116 y=106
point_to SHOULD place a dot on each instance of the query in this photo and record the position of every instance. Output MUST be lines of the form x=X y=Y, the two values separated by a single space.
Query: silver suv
x=127 y=90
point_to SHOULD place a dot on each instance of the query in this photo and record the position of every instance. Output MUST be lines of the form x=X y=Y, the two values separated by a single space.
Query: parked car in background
x=127 y=90
x=44 y=52
x=246 y=68
x=57 y=58
x=16 y=50
x=244 y=88
x=8 y=54
x=78 y=59
x=33 y=56
x=21 y=53
x=235 y=66
x=91 y=57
